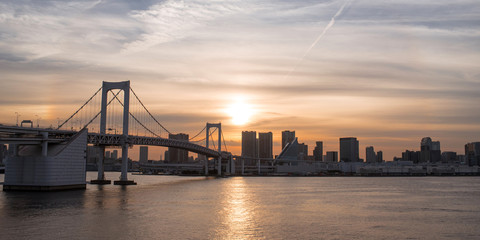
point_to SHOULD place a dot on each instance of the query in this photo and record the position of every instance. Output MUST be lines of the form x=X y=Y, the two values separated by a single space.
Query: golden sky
x=388 y=73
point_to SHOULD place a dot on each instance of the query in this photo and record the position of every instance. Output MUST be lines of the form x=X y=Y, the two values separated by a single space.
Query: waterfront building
x=413 y=156
x=108 y=154
x=449 y=157
x=379 y=156
x=249 y=147
x=472 y=153
x=287 y=137
x=114 y=155
x=318 y=151
x=178 y=155
x=332 y=156
x=349 y=149
x=302 y=151
x=265 y=145
x=370 y=155
x=425 y=148
x=143 y=158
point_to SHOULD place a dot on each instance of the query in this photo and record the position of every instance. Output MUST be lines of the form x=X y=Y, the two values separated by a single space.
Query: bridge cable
x=198 y=134
x=213 y=142
x=224 y=142
x=111 y=100
x=149 y=111
x=61 y=125
x=138 y=120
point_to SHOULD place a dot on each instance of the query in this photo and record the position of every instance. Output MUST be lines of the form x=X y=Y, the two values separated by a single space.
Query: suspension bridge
x=111 y=118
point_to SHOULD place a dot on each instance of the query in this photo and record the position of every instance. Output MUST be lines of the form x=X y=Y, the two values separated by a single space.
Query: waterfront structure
x=449 y=157
x=413 y=156
x=143 y=158
x=332 y=156
x=249 y=144
x=370 y=155
x=49 y=166
x=379 y=156
x=176 y=155
x=287 y=137
x=472 y=153
x=318 y=151
x=289 y=154
x=3 y=153
x=430 y=150
x=114 y=155
x=349 y=149
x=302 y=151
x=265 y=145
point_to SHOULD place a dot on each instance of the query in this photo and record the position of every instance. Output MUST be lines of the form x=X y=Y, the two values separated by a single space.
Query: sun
x=240 y=112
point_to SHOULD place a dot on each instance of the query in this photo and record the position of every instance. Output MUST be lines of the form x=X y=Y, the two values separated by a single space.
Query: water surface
x=174 y=207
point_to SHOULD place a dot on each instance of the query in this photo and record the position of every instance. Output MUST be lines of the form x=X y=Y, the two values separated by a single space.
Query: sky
x=386 y=72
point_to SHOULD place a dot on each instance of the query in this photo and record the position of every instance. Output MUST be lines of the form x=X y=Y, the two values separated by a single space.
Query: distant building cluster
x=294 y=157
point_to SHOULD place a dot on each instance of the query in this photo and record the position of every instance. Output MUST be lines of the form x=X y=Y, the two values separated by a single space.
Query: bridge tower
x=125 y=87
x=219 y=160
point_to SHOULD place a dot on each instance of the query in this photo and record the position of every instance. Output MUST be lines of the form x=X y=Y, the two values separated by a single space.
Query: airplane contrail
x=329 y=25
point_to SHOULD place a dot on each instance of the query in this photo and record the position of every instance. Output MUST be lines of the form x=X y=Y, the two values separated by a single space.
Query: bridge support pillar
x=258 y=166
x=243 y=166
x=206 y=166
x=123 y=177
x=101 y=173
x=219 y=169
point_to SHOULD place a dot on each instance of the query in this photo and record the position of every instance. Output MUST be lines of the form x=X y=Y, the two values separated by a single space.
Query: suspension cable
x=224 y=142
x=61 y=125
x=137 y=119
x=210 y=135
x=149 y=111
x=197 y=134
x=111 y=100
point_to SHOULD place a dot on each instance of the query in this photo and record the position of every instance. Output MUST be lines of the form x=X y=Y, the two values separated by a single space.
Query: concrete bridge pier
x=206 y=166
x=101 y=173
x=219 y=167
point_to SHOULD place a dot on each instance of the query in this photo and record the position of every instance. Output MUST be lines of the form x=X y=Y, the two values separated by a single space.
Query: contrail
x=329 y=25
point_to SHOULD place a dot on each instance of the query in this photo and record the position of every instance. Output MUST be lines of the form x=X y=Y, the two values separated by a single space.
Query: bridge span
x=21 y=137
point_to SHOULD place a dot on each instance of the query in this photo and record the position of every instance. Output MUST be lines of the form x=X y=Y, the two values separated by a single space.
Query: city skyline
x=387 y=74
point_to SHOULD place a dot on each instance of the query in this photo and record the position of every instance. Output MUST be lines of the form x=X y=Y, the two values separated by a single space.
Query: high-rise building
x=425 y=148
x=331 y=156
x=349 y=149
x=318 y=151
x=370 y=155
x=265 y=145
x=287 y=137
x=249 y=144
x=114 y=154
x=413 y=156
x=249 y=147
x=449 y=157
x=379 y=156
x=143 y=158
x=472 y=153
x=178 y=155
x=430 y=150
x=302 y=151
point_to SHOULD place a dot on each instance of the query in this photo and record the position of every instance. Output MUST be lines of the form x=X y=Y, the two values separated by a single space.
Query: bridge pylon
x=125 y=87
x=218 y=126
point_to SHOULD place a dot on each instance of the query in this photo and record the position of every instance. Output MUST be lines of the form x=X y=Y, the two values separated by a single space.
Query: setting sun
x=240 y=112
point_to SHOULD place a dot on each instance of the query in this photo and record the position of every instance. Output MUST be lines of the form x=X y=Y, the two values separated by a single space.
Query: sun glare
x=240 y=112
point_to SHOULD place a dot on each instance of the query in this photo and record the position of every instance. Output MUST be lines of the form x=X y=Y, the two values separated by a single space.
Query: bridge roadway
x=33 y=136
